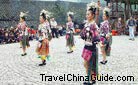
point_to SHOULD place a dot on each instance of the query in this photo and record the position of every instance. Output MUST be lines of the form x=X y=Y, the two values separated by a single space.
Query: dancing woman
x=91 y=37
x=69 y=32
x=105 y=36
x=43 y=32
x=22 y=27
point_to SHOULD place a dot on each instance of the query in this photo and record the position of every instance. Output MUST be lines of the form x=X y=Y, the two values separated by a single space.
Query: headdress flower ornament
x=106 y=10
x=70 y=13
x=23 y=14
x=47 y=13
x=92 y=5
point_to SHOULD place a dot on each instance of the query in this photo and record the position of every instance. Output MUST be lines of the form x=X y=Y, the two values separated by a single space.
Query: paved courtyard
x=18 y=70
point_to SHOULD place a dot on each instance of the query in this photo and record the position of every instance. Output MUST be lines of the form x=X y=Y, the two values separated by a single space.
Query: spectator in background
x=64 y=29
x=119 y=26
x=54 y=29
x=137 y=25
x=131 y=23
x=60 y=30
x=6 y=39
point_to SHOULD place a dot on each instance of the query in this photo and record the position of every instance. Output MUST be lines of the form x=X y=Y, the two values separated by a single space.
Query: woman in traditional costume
x=43 y=34
x=22 y=27
x=105 y=35
x=91 y=37
x=69 y=32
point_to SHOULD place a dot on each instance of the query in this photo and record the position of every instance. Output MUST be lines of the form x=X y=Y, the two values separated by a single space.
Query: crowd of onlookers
x=122 y=26
x=8 y=35
x=12 y=35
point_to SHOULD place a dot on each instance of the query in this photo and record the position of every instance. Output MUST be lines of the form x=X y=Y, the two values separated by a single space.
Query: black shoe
x=41 y=64
x=70 y=52
x=24 y=54
x=44 y=63
x=130 y=39
x=103 y=62
x=87 y=83
x=93 y=82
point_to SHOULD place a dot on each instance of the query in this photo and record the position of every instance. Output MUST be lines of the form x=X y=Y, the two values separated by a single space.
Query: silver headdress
x=106 y=11
x=23 y=14
x=47 y=13
x=70 y=13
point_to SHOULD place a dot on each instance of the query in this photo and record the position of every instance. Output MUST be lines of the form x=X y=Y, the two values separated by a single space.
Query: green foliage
x=59 y=9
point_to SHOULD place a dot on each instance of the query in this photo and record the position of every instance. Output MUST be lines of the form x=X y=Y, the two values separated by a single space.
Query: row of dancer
x=91 y=34
x=44 y=35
